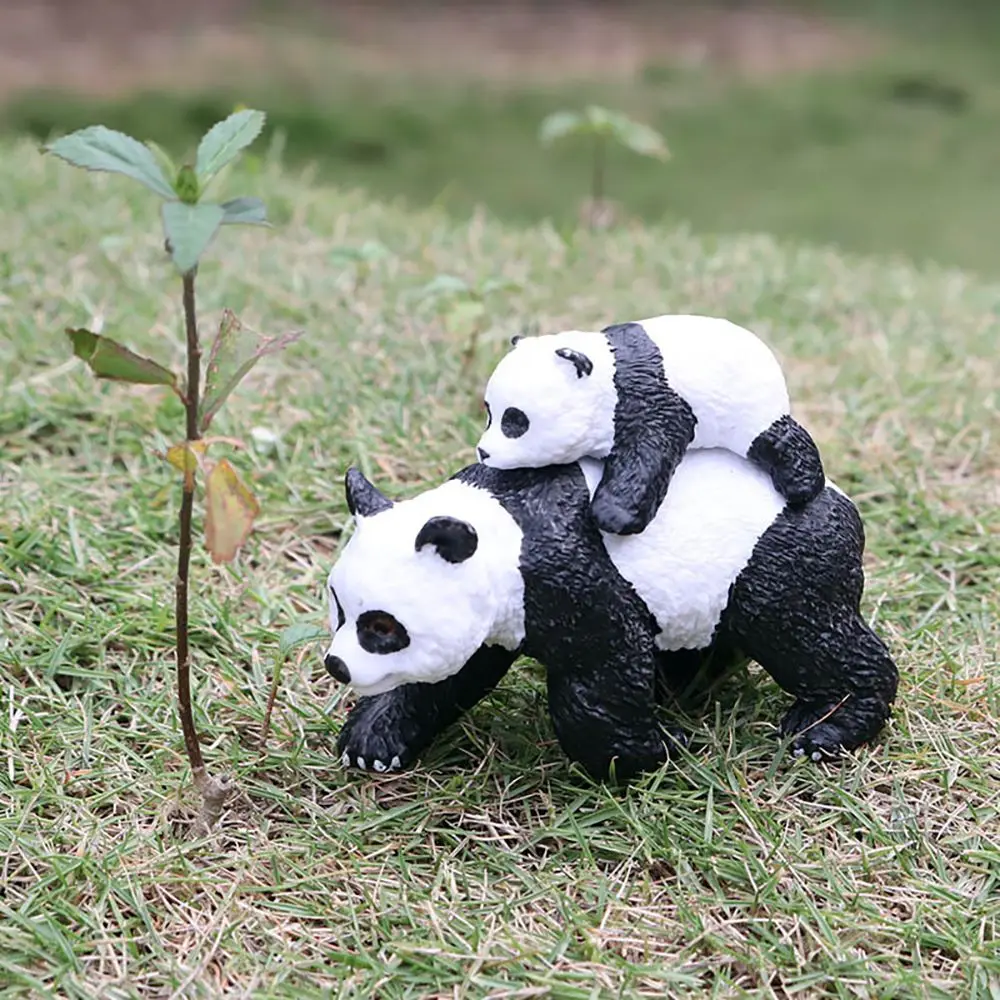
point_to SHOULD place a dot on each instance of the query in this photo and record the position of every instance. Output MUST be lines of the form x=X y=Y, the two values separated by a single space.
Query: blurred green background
x=872 y=126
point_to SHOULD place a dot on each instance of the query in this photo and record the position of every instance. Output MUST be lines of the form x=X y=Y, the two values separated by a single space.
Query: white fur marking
x=448 y=609
x=684 y=563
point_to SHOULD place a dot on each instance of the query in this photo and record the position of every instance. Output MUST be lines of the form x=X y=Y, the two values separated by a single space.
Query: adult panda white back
x=727 y=375
x=685 y=561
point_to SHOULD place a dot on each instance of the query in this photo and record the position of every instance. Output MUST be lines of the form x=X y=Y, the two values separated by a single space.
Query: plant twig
x=597 y=177
x=191 y=743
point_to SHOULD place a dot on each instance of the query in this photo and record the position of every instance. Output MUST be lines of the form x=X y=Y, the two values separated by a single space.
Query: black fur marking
x=341 y=618
x=363 y=499
x=489 y=416
x=337 y=669
x=788 y=454
x=583 y=621
x=514 y=422
x=380 y=632
x=653 y=428
x=454 y=540
x=579 y=360
x=795 y=609
x=402 y=722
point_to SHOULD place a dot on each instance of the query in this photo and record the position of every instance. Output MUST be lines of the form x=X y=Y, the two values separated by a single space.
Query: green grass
x=493 y=869
x=895 y=154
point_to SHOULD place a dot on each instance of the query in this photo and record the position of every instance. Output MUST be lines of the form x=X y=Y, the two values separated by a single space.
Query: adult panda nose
x=337 y=669
x=483 y=454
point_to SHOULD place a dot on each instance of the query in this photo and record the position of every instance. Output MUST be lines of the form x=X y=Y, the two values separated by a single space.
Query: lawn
x=494 y=868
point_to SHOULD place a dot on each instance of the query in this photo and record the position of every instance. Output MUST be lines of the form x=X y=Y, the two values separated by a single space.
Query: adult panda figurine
x=637 y=395
x=434 y=597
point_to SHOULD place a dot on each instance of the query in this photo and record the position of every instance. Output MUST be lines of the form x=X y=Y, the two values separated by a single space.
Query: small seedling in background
x=463 y=307
x=190 y=224
x=602 y=126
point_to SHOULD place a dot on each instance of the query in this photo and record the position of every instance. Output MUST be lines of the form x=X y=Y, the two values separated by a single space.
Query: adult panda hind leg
x=788 y=454
x=795 y=609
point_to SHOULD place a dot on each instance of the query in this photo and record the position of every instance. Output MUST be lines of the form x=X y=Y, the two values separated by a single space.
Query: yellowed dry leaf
x=230 y=509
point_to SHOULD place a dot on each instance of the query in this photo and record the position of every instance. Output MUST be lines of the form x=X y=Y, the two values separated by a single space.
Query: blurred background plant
x=869 y=125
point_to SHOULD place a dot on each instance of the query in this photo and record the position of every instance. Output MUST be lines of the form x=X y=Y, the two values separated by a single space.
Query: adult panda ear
x=454 y=540
x=579 y=360
x=363 y=499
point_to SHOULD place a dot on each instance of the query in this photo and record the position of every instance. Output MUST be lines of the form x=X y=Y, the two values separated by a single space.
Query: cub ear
x=454 y=540
x=580 y=361
x=363 y=499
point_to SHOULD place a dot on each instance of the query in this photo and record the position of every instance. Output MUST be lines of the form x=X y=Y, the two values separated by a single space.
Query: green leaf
x=369 y=251
x=186 y=185
x=464 y=315
x=560 y=124
x=230 y=509
x=499 y=285
x=109 y=359
x=163 y=158
x=234 y=352
x=298 y=635
x=443 y=286
x=189 y=229
x=244 y=212
x=100 y=148
x=639 y=138
x=222 y=142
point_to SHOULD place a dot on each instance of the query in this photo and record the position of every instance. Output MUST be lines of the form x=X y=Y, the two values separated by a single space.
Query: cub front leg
x=788 y=454
x=388 y=731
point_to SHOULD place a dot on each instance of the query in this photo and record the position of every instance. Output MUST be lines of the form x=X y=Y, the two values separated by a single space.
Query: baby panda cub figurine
x=434 y=597
x=637 y=395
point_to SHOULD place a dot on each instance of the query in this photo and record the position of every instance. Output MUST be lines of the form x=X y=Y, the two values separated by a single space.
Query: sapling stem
x=597 y=177
x=191 y=403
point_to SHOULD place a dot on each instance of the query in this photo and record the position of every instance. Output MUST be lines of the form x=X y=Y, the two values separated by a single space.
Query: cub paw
x=615 y=519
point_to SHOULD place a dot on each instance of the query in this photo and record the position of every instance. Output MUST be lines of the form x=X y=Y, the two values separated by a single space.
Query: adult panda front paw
x=372 y=740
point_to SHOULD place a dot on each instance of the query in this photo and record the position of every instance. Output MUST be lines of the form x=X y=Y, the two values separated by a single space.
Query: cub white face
x=421 y=586
x=551 y=400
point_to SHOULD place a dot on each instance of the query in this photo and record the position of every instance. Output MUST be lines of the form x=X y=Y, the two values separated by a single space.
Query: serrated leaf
x=189 y=230
x=101 y=148
x=223 y=141
x=244 y=212
x=560 y=124
x=235 y=351
x=230 y=509
x=109 y=359
x=298 y=635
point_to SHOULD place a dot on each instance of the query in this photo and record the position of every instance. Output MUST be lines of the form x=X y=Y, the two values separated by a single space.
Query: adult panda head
x=550 y=401
x=421 y=585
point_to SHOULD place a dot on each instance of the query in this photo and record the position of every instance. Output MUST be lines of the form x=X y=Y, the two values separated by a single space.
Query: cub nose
x=483 y=454
x=337 y=668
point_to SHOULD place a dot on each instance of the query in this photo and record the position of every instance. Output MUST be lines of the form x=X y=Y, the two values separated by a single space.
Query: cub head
x=421 y=585
x=551 y=400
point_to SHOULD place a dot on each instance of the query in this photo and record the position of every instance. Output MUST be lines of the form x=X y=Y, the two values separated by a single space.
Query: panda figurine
x=434 y=597
x=637 y=395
